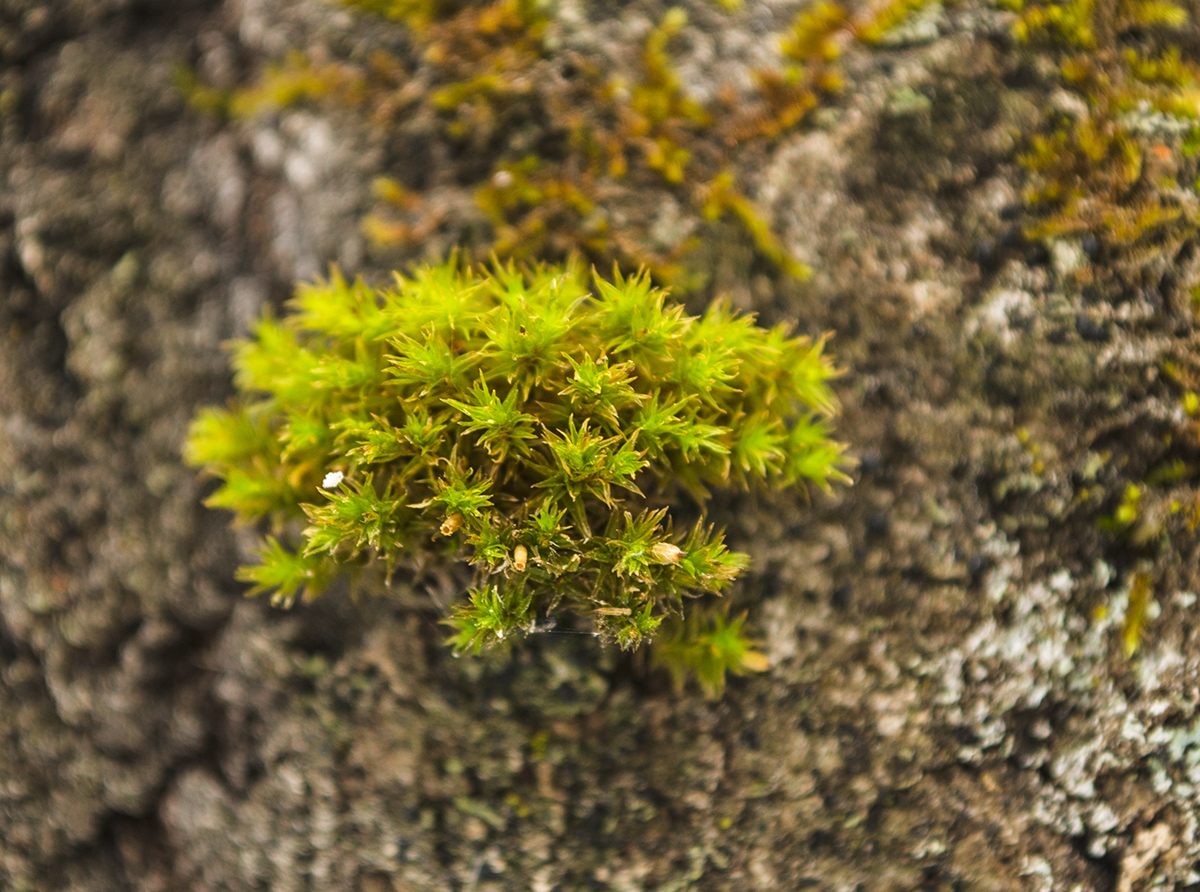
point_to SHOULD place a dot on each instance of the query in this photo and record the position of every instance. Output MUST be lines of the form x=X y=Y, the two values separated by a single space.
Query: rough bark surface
x=947 y=707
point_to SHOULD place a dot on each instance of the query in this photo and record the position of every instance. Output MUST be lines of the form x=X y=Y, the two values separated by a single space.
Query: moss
x=603 y=147
x=1140 y=596
x=890 y=16
x=1114 y=166
x=523 y=424
x=721 y=199
x=291 y=82
x=707 y=646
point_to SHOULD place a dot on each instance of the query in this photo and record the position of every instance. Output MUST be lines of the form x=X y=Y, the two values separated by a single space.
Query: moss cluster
x=603 y=144
x=1119 y=163
x=522 y=423
x=567 y=158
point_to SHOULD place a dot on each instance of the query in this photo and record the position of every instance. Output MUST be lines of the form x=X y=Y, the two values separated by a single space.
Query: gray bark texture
x=949 y=705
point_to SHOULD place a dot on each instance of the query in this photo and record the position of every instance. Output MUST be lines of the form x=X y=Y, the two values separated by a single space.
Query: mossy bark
x=950 y=703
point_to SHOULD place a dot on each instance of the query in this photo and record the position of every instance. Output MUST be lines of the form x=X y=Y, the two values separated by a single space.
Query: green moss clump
x=518 y=421
x=566 y=157
x=1122 y=167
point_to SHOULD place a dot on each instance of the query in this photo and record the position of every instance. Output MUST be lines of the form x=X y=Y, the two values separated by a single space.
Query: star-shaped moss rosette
x=519 y=421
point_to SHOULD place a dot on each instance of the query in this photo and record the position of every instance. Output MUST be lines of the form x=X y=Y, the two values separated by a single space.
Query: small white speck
x=332 y=479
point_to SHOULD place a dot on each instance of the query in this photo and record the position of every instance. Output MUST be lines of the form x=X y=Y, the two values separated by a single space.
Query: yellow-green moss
x=487 y=70
x=1114 y=166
